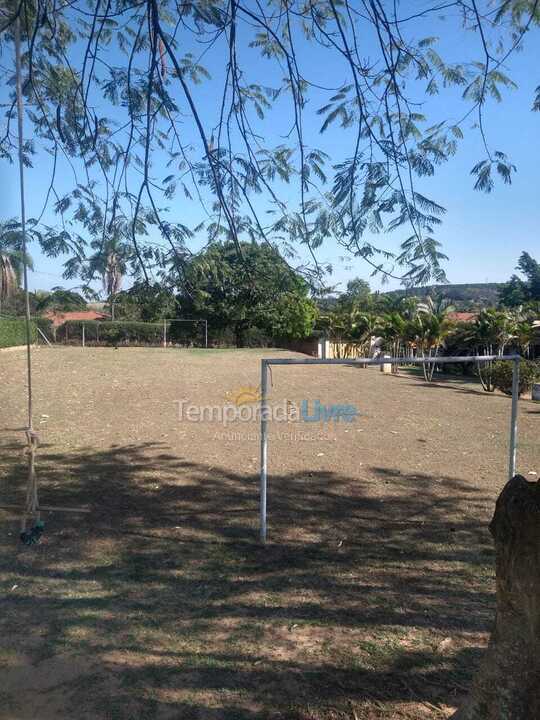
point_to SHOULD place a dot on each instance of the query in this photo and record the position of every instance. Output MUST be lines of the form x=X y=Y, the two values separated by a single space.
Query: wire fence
x=163 y=333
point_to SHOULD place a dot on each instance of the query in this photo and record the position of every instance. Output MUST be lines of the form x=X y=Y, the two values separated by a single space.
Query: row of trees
x=411 y=327
x=256 y=290
x=108 y=261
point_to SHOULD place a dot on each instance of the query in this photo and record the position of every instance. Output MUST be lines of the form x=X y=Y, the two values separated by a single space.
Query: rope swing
x=32 y=526
x=31 y=511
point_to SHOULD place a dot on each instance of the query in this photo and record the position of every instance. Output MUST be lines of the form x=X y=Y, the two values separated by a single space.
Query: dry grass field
x=372 y=600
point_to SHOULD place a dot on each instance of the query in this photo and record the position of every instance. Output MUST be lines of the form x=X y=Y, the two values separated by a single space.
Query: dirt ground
x=373 y=598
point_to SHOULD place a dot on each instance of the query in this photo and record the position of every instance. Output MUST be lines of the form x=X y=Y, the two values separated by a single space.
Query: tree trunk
x=507 y=684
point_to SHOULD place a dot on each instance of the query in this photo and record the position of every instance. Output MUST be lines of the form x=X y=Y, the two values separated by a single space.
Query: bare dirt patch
x=373 y=598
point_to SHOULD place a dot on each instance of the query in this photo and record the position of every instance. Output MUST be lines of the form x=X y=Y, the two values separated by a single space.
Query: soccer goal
x=110 y=333
x=196 y=322
x=265 y=413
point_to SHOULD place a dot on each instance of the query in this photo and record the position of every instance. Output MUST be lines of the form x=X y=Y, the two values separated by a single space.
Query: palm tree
x=431 y=327
x=364 y=325
x=112 y=278
x=349 y=325
x=395 y=329
x=431 y=330
x=490 y=334
x=110 y=262
x=437 y=303
x=523 y=336
x=8 y=278
x=11 y=259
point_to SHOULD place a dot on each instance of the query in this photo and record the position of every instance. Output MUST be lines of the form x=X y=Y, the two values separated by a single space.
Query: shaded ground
x=372 y=600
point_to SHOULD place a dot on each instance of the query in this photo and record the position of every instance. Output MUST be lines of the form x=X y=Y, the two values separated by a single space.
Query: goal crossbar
x=268 y=362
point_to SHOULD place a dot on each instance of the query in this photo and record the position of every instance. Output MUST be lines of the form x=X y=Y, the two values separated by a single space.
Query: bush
x=529 y=373
x=185 y=333
x=110 y=332
x=13 y=332
x=225 y=338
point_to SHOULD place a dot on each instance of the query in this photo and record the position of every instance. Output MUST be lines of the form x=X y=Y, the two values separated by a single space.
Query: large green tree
x=253 y=289
x=519 y=291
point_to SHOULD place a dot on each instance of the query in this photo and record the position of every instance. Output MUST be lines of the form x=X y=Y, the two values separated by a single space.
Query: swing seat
x=33 y=536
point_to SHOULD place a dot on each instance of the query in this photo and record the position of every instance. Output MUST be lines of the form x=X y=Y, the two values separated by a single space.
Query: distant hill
x=465 y=296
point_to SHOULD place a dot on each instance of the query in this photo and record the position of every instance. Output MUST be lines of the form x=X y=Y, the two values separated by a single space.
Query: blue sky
x=483 y=235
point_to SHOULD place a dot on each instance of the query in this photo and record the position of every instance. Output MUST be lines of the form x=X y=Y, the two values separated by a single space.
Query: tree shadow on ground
x=186 y=615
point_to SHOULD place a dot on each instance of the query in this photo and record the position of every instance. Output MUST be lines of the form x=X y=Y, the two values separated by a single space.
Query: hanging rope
x=31 y=536
x=31 y=510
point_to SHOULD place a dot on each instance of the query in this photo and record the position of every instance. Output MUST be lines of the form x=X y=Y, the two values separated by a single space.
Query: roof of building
x=462 y=316
x=59 y=317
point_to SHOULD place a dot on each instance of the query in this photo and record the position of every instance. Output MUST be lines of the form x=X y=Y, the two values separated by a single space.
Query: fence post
x=165 y=333
x=97 y=332
x=83 y=337
x=44 y=336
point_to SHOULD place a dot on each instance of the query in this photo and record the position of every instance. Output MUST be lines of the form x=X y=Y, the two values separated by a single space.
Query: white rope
x=31 y=436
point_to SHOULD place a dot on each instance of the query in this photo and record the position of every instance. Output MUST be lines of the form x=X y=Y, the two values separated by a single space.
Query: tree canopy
x=518 y=291
x=253 y=289
x=142 y=108
x=58 y=299
x=148 y=302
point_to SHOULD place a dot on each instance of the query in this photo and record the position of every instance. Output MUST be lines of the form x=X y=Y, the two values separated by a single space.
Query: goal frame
x=268 y=362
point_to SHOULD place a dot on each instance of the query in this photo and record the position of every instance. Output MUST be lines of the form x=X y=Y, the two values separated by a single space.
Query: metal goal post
x=267 y=363
x=185 y=320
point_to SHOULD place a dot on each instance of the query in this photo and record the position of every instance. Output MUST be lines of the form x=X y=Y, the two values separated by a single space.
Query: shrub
x=13 y=332
x=529 y=373
x=185 y=333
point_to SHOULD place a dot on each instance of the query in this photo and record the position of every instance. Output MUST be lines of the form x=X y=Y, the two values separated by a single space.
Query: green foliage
x=251 y=289
x=490 y=334
x=13 y=332
x=11 y=243
x=484 y=171
x=59 y=299
x=146 y=302
x=109 y=91
x=529 y=373
x=15 y=304
x=517 y=291
x=12 y=258
x=350 y=316
x=397 y=330
x=111 y=332
x=513 y=293
x=292 y=316
x=492 y=331
x=358 y=293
